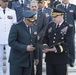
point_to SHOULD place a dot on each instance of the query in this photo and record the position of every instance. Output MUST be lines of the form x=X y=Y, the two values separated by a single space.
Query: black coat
x=54 y=36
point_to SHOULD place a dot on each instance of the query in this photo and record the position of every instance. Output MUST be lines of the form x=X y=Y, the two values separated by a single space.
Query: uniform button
x=62 y=38
x=65 y=13
x=65 y=21
x=53 y=41
x=54 y=37
x=54 y=33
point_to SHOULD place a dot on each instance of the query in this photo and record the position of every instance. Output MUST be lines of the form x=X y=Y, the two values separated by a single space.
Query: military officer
x=46 y=11
x=22 y=42
x=69 y=17
x=18 y=8
x=57 y=42
x=7 y=18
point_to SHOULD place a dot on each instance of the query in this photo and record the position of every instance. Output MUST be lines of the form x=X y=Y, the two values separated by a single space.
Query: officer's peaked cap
x=40 y=1
x=31 y=15
x=57 y=11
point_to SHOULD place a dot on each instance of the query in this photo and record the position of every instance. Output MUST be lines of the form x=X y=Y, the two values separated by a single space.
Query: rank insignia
x=64 y=30
x=71 y=11
x=35 y=33
x=50 y=29
x=9 y=17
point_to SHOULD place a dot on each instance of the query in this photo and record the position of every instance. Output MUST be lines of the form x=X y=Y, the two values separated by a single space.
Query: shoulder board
x=16 y=23
x=70 y=25
x=73 y=4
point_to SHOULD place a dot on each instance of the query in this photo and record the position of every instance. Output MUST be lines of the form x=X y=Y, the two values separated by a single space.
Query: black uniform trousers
x=56 y=69
x=17 y=70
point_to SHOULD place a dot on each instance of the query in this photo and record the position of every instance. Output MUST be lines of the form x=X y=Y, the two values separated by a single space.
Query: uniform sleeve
x=46 y=39
x=42 y=32
x=68 y=42
x=13 y=41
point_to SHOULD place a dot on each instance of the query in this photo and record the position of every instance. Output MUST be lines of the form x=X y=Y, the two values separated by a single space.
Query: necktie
x=22 y=3
x=4 y=11
x=28 y=28
x=57 y=26
x=65 y=7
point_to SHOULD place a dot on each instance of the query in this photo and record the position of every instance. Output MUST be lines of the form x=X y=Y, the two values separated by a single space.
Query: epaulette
x=70 y=25
x=16 y=23
x=13 y=2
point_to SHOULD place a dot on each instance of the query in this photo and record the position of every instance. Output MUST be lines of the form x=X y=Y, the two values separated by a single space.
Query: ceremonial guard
x=56 y=44
x=22 y=40
x=7 y=18
x=70 y=17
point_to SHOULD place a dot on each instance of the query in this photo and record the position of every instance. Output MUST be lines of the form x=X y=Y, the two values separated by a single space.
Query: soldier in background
x=70 y=17
x=7 y=18
x=40 y=25
x=46 y=11
x=51 y=3
x=56 y=44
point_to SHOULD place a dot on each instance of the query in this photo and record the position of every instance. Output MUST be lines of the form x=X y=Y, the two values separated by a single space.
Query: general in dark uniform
x=69 y=17
x=57 y=42
x=22 y=41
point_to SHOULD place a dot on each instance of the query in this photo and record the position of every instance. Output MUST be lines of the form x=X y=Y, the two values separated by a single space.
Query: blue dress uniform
x=19 y=38
x=69 y=17
x=18 y=8
x=47 y=12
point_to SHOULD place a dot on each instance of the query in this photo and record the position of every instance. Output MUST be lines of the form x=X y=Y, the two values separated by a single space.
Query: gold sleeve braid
x=61 y=48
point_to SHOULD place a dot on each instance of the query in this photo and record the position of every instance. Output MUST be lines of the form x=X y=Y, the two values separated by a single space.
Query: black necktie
x=4 y=11
x=57 y=26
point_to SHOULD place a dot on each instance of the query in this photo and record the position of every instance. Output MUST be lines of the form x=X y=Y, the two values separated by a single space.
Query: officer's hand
x=49 y=50
x=36 y=61
x=53 y=49
x=30 y=48
x=38 y=37
x=45 y=50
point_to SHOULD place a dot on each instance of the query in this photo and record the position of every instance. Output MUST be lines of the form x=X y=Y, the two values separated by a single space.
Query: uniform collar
x=60 y=23
x=65 y=5
x=5 y=8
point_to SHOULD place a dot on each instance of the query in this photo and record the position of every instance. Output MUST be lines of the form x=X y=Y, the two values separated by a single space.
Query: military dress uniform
x=60 y=37
x=70 y=17
x=6 y=21
x=19 y=38
x=18 y=8
x=47 y=12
